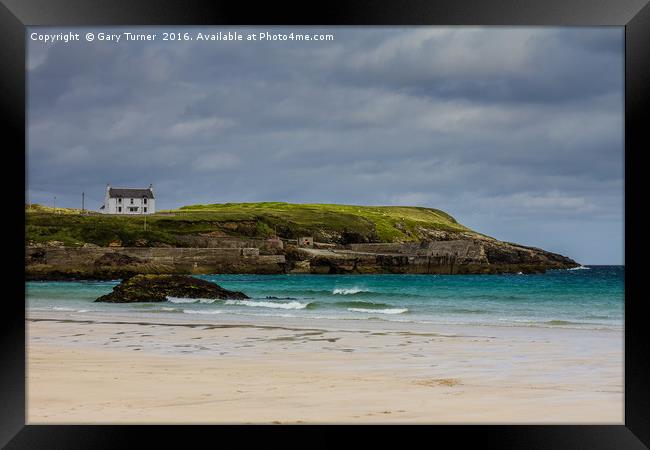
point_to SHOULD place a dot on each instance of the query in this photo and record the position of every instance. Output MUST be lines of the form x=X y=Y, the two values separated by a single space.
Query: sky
x=517 y=132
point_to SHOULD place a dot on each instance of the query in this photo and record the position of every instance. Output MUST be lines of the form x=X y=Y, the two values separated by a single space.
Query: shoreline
x=116 y=276
x=279 y=268
x=82 y=368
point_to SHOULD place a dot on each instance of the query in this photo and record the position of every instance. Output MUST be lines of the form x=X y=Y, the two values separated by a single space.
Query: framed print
x=417 y=214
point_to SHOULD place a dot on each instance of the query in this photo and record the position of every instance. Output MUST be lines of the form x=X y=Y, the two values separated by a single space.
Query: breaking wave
x=379 y=311
x=348 y=291
x=191 y=300
x=62 y=308
x=279 y=305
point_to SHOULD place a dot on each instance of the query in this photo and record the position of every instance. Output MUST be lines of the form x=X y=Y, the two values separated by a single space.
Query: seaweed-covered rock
x=156 y=288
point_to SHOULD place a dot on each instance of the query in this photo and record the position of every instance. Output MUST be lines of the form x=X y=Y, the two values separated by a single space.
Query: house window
x=145 y=209
x=119 y=200
x=133 y=208
x=119 y=209
x=145 y=200
x=131 y=201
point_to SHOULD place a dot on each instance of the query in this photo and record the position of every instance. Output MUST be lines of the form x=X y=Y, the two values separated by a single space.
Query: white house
x=129 y=201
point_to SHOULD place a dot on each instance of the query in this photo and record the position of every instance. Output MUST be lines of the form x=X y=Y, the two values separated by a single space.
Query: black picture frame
x=16 y=15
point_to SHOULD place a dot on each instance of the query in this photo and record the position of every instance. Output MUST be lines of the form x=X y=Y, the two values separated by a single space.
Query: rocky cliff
x=461 y=256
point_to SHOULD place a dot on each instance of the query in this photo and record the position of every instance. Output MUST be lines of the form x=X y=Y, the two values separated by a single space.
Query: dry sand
x=83 y=369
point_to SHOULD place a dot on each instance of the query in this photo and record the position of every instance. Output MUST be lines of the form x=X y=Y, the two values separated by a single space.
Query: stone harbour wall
x=265 y=246
x=457 y=248
x=116 y=262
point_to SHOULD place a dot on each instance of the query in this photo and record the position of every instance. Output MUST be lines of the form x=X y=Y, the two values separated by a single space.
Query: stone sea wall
x=265 y=246
x=117 y=262
x=457 y=248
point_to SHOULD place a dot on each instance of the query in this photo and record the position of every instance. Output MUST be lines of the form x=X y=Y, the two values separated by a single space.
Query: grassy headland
x=327 y=223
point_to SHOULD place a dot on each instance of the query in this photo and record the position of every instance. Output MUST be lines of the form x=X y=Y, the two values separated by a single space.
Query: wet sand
x=85 y=368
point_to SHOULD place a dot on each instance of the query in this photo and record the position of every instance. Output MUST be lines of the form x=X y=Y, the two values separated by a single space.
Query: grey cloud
x=514 y=64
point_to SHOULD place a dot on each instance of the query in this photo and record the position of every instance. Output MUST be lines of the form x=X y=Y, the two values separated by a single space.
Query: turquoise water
x=591 y=297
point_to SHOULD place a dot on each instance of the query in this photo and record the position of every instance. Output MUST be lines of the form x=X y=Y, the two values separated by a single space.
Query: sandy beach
x=85 y=368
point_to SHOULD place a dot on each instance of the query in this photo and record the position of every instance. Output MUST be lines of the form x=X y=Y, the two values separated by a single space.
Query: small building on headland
x=306 y=241
x=129 y=201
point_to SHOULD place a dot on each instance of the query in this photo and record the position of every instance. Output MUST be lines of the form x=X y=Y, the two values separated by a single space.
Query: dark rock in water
x=156 y=288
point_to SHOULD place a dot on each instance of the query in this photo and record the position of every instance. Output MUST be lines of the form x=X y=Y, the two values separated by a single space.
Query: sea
x=589 y=297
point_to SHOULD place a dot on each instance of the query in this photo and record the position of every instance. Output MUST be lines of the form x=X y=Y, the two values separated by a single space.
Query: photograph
x=325 y=225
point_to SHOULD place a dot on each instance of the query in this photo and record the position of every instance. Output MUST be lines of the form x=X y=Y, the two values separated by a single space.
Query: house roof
x=130 y=193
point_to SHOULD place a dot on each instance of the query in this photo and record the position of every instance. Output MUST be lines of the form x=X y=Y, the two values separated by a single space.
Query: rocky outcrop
x=505 y=253
x=157 y=288
x=479 y=255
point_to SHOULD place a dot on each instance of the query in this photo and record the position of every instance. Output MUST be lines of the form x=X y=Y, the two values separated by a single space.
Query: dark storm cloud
x=512 y=130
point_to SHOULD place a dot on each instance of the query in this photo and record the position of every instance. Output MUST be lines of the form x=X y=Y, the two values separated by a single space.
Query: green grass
x=327 y=223
x=35 y=208
x=76 y=229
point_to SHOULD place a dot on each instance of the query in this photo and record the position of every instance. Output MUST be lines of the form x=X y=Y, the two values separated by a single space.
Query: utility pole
x=82 y=202
x=55 y=204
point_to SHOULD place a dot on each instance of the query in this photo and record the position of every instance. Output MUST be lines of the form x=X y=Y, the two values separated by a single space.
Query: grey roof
x=130 y=193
